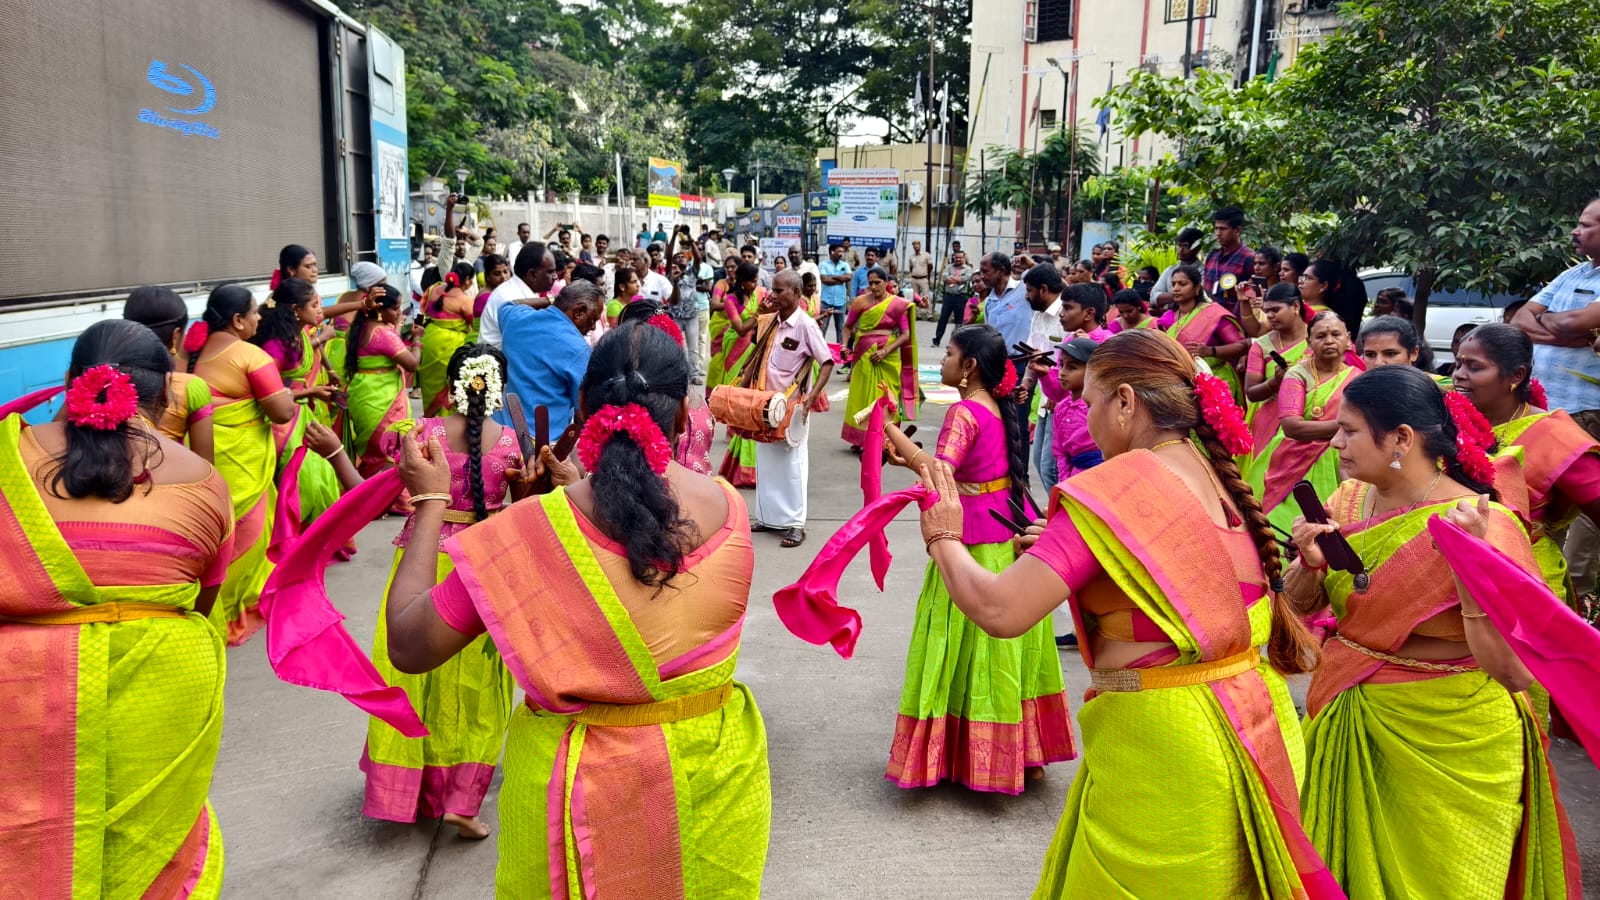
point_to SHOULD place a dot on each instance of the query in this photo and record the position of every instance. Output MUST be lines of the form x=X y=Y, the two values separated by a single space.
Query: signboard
x=772 y=248
x=864 y=206
x=386 y=68
x=1185 y=10
x=666 y=182
x=788 y=226
x=696 y=205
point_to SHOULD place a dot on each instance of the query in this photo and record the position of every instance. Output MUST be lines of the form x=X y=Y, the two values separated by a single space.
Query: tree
x=1459 y=150
x=1451 y=140
x=1036 y=183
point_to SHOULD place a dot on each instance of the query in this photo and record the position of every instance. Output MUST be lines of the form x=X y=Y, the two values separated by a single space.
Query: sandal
x=794 y=537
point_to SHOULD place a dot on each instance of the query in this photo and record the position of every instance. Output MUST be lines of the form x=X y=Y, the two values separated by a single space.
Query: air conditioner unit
x=914 y=192
x=944 y=195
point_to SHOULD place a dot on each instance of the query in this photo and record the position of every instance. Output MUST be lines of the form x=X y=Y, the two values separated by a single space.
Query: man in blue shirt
x=1006 y=307
x=1563 y=320
x=835 y=281
x=546 y=353
x=858 y=280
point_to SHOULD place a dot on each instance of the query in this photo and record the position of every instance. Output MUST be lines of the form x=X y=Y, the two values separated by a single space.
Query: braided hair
x=984 y=346
x=1162 y=375
x=1391 y=396
x=475 y=413
x=637 y=363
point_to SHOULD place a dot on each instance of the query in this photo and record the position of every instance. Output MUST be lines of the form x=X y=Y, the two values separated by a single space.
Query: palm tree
x=1038 y=184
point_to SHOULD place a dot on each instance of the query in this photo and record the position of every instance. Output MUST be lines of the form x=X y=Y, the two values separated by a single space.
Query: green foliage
x=1017 y=179
x=1145 y=249
x=1452 y=140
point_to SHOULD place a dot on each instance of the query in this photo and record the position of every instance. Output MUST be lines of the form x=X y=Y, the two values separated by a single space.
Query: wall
x=599 y=216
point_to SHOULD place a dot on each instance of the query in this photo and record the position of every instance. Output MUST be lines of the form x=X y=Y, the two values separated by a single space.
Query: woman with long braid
x=978 y=710
x=377 y=363
x=1184 y=702
x=466 y=702
x=292 y=333
x=638 y=767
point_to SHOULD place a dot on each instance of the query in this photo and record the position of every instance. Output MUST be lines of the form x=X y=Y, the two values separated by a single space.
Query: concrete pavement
x=288 y=793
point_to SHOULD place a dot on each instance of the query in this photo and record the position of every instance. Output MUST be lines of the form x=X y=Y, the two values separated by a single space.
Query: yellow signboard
x=666 y=183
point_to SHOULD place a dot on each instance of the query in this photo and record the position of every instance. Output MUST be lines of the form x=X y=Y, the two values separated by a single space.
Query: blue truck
x=183 y=144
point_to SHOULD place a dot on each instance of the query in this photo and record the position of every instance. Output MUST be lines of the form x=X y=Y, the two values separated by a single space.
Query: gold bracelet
x=331 y=456
x=1478 y=615
x=940 y=536
x=418 y=498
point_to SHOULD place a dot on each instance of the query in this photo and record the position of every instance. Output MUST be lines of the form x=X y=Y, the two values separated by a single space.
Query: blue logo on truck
x=199 y=88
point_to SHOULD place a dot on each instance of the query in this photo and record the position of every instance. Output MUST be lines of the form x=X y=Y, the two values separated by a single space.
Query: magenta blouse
x=973 y=442
x=504 y=455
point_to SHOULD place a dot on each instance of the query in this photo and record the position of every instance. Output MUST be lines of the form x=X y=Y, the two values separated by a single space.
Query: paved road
x=288 y=794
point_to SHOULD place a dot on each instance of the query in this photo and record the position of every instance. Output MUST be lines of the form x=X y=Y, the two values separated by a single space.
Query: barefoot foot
x=469 y=827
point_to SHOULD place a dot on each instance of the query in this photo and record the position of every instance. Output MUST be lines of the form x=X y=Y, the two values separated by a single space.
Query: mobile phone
x=1259 y=281
x=1340 y=555
x=1277 y=357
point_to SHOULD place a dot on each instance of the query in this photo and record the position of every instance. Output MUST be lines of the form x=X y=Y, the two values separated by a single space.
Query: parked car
x=1447 y=310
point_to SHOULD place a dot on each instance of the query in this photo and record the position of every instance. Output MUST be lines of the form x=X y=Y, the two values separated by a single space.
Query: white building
x=1029 y=47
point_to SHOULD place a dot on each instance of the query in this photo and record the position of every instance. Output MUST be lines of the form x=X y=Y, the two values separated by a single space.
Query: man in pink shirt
x=791 y=343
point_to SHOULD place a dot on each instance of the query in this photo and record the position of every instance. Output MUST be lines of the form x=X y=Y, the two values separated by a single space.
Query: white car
x=1447 y=310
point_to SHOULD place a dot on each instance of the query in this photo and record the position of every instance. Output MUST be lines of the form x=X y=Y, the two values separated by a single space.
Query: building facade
x=1038 y=65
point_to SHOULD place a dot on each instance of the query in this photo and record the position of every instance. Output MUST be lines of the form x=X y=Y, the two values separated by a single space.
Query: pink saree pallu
x=625 y=776
x=110 y=715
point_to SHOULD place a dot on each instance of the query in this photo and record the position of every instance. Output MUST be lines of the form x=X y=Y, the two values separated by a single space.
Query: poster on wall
x=787 y=226
x=864 y=206
x=666 y=183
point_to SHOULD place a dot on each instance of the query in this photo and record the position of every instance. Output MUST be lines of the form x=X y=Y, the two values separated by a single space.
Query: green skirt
x=975 y=709
x=465 y=704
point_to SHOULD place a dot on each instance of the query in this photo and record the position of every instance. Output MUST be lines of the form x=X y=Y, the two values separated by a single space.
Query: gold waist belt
x=1422 y=665
x=101 y=612
x=463 y=516
x=629 y=715
x=978 y=489
x=1130 y=680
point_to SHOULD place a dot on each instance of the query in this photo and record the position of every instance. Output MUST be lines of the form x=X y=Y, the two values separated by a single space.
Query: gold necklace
x=1182 y=440
x=1364 y=580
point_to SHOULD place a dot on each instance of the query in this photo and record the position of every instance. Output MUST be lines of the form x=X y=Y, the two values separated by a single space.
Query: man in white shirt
x=533 y=272
x=789 y=343
x=524 y=232
x=652 y=284
x=802 y=265
x=1043 y=285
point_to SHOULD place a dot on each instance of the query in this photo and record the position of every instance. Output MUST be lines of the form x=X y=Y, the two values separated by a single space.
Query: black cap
x=1079 y=348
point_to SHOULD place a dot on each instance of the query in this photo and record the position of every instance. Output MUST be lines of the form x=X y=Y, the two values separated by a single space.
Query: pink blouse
x=504 y=455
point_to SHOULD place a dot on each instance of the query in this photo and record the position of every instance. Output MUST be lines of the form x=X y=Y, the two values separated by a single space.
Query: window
x=1047 y=119
x=1047 y=20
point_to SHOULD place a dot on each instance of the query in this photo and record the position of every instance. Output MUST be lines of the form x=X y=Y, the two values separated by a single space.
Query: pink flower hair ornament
x=665 y=323
x=1222 y=414
x=1474 y=437
x=635 y=421
x=102 y=398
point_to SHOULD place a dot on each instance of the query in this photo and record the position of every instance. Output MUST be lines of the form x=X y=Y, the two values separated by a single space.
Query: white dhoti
x=781 y=472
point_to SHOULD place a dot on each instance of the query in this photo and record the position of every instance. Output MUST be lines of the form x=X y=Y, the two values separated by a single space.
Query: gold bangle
x=418 y=498
x=1478 y=615
x=940 y=536
x=331 y=456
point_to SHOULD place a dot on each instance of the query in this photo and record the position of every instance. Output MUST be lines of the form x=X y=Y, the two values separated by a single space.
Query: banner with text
x=666 y=183
x=864 y=206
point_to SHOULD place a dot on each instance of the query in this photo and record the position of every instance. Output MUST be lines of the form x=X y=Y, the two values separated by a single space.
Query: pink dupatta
x=307 y=643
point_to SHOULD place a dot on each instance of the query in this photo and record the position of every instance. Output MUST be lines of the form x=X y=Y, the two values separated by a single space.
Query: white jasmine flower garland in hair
x=478 y=374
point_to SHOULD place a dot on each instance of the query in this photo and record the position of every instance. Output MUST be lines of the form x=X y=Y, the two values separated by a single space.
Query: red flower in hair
x=665 y=323
x=1222 y=414
x=1008 y=382
x=632 y=419
x=1474 y=437
x=1536 y=394
x=102 y=398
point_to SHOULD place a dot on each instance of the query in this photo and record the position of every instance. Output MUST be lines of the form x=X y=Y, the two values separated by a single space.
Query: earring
x=963 y=385
x=1396 y=463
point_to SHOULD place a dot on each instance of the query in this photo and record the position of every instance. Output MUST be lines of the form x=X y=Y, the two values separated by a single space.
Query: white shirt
x=512 y=291
x=1045 y=331
x=657 y=287
x=512 y=249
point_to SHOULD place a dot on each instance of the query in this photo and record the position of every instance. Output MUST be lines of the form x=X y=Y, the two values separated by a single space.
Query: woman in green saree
x=1263 y=373
x=878 y=332
x=114 y=541
x=250 y=399
x=1187 y=700
x=293 y=333
x=1206 y=329
x=376 y=365
x=1308 y=407
x=1426 y=770
x=740 y=308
